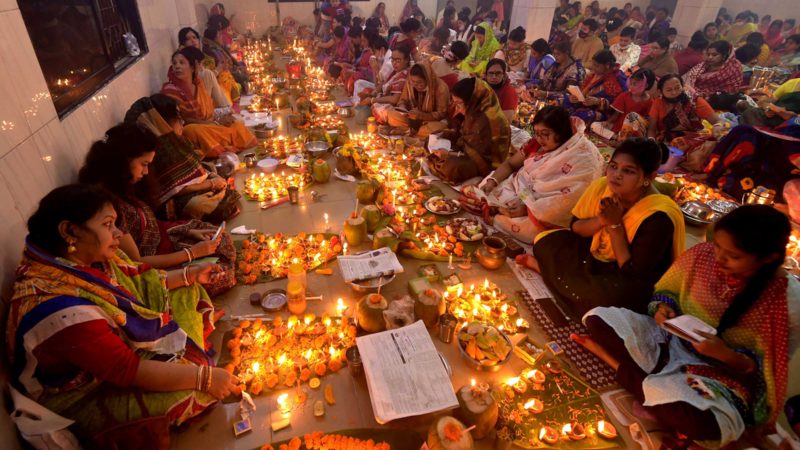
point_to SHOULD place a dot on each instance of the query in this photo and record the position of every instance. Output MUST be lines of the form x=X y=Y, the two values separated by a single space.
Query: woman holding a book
x=734 y=376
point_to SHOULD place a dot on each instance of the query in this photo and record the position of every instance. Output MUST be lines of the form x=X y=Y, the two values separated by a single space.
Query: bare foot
x=528 y=261
x=590 y=344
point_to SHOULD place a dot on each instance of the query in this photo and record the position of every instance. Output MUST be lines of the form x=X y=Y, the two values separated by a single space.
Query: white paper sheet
x=404 y=374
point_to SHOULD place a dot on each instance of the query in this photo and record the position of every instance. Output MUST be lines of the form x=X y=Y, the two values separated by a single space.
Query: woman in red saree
x=720 y=72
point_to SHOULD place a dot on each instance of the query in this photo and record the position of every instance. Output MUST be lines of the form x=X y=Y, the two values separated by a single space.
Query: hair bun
x=664 y=149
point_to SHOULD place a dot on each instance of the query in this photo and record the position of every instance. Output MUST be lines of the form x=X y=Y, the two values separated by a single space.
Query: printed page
x=372 y=264
x=404 y=374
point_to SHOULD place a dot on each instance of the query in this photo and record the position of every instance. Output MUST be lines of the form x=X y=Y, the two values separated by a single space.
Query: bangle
x=613 y=227
x=209 y=376
x=188 y=254
x=191 y=253
x=186 y=275
x=198 y=382
x=491 y=178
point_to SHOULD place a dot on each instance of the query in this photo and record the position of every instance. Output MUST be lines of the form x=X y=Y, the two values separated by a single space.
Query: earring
x=646 y=183
x=71 y=246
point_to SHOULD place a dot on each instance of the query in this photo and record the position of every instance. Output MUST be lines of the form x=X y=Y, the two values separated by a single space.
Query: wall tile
x=25 y=176
x=59 y=159
x=29 y=88
x=8 y=5
x=12 y=239
x=13 y=126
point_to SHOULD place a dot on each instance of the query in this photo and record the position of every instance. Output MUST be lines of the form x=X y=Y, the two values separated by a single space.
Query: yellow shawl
x=589 y=206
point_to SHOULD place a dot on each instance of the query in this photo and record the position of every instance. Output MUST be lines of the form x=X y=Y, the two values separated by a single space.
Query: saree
x=394 y=84
x=549 y=184
x=537 y=68
x=484 y=136
x=696 y=285
x=481 y=54
x=557 y=79
x=606 y=88
x=660 y=65
x=211 y=139
x=727 y=79
x=154 y=237
x=433 y=102
x=589 y=206
x=226 y=62
x=753 y=156
x=133 y=300
x=516 y=58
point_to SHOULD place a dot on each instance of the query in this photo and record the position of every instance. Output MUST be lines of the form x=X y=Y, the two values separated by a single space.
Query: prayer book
x=687 y=327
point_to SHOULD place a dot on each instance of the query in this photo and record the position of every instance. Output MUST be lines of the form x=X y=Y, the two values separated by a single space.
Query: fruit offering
x=464 y=229
x=272 y=255
x=442 y=205
x=484 y=344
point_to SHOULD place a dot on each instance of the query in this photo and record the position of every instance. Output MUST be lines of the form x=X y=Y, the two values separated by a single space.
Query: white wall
x=39 y=151
x=778 y=9
x=258 y=15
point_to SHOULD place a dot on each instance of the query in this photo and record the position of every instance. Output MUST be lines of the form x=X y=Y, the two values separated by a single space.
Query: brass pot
x=492 y=253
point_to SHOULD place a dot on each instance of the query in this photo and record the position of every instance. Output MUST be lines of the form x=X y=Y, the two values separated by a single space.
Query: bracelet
x=209 y=376
x=186 y=275
x=497 y=183
x=191 y=253
x=613 y=227
x=188 y=254
x=198 y=379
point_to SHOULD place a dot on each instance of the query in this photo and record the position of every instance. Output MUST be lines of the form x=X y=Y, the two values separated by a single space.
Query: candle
x=606 y=429
x=327 y=226
x=344 y=248
x=534 y=405
x=535 y=376
x=548 y=435
x=450 y=260
x=340 y=307
x=283 y=403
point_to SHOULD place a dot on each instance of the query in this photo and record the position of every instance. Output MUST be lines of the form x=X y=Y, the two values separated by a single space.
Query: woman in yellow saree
x=212 y=135
x=624 y=235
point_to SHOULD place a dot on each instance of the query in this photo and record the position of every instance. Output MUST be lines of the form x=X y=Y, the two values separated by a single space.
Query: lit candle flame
x=566 y=429
x=472 y=382
x=256 y=367
x=512 y=381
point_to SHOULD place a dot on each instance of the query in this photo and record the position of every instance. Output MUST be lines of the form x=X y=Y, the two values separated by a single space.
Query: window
x=80 y=44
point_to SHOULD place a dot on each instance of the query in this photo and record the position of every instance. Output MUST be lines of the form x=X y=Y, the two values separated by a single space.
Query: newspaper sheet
x=372 y=264
x=404 y=374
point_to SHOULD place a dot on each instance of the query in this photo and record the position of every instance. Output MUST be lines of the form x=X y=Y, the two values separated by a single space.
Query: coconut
x=428 y=306
x=369 y=313
x=481 y=411
x=447 y=433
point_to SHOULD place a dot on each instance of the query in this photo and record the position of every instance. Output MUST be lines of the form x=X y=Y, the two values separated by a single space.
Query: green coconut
x=366 y=191
x=355 y=230
x=481 y=411
x=447 y=433
x=428 y=306
x=369 y=313
x=372 y=215
x=321 y=171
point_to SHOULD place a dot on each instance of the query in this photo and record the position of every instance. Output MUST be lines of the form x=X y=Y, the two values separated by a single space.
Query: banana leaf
x=566 y=399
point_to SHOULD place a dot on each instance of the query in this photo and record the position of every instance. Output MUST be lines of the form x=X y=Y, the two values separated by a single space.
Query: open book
x=687 y=326
x=405 y=376
x=372 y=264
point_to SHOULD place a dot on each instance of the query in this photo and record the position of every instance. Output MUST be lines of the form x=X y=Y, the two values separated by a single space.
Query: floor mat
x=594 y=371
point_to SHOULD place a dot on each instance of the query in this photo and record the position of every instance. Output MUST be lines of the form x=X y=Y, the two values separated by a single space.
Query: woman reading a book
x=734 y=378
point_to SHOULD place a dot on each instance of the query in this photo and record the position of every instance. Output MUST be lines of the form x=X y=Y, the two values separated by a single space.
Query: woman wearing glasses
x=537 y=187
x=621 y=239
x=481 y=143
